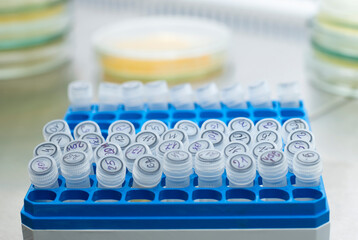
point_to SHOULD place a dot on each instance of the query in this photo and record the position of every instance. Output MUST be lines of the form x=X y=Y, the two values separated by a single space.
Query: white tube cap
x=86 y=127
x=147 y=172
x=177 y=168
x=234 y=148
x=292 y=148
x=272 y=167
x=151 y=139
x=107 y=149
x=268 y=124
x=166 y=146
x=121 y=126
x=123 y=140
x=308 y=167
x=269 y=136
x=49 y=149
x=43 y=172
x=214 y=124
x=155 y=126
x=292 y=125
x=241 y=170
x=190 y=128
x=55 y=126
x=209 y=166
x=216 y=137
x=95 y=139
x=241 y=123
x=302 y=134
x=61 y=139
x=111 y=172
x=134 y=151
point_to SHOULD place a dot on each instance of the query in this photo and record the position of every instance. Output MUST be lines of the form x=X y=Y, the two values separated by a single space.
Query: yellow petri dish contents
x=171 y=48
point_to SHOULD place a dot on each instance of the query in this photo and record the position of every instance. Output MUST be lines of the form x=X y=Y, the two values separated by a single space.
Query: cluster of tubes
x=240 y=148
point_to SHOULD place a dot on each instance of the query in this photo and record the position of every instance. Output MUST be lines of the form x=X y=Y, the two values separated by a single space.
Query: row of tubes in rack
x=156 y=95
x=242 y=149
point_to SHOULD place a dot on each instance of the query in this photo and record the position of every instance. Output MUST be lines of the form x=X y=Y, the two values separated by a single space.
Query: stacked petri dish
x=32 y=36
x=332 y=62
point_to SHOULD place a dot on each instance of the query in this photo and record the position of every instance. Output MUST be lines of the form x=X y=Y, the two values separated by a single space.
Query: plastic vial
x=122 y=126
x=197 y=146
x=288 y=94
x=241 y=123
x=61 y=139
x=241 y=136
x=49 y=149
x=262 y=147
x=233 y=96
x=307 y=166
x=86 y=127
x=94 y=139
x=260 y=95
x=234 y=148
x=111 y=172
x=157 y=95
x=76 y=170
x=147 y=172
x=81 y=146
x=190 y=128
x=241 y=171
x=176 y=134
x=269 y=136
x=268 y=124
x=107 y=149
x=55 y=126
x=182 y=97
x=167 y=145
x=293 y=124
x=123 y=140
x=304 y=135
x=177 y=168
x=80 y=94
x=272 y=167
x=151 y=139
x=216 y=137
x=133 y=95
x=156 y=126
x=208 y=96
x=214 y=124
x=292 y=148
x=109 y=96
x=209 y=166
x=133 y=152
x=43 y=172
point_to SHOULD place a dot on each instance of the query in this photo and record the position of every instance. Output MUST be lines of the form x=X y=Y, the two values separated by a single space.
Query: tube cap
x=190 y=128
x=155 y=126
x=94 y=139
x=268 y=124
x=241 y=170
x=292 y=125
x=307 y=166
x=272 y=167
x=49 y=149
x=234 y=148
x=111 y=172
x=134 y=151
x=86 y=127
x=55 y=126
x=240 y=123
x=107 y=149
x=214 y=124
x=61 y=139
x=151 y=139
x=121 y=126
x=215 y=137
x=147 y=171
x=123 y=140
x=43 y=172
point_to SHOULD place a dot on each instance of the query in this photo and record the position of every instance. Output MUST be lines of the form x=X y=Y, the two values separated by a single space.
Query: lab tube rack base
x=289 y=212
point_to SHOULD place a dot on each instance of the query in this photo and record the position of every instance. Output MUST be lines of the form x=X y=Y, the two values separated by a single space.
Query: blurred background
x=45 y=44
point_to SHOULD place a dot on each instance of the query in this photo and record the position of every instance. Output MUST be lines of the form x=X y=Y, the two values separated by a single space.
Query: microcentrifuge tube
x=109 y=96
x=234 y=148
x=43 y=172
x=182 y=97
x=81 y=146
x=190 y=128
x=111 y=172
x=197 y=146
x=214 y=124
x=216 y=137
x=268 y=124
x=288 y=94
x=241 y=170
x=260 y=95
x=76 y=170
x=292 y=148
x=272 y=167
x=233 y=96
x=80 y=94
x=156 y=126
x=209 y=166
x=293 y=124
x=61 y=139
x=261 y=147
x=122 y=126
x=133 y=95
x=147 y=172
x=134 y=151
x=166 y=146
x=151 y=139
x=157 y=95
x=269 y=136
x=49 y=149
x=55 y=126
x=95 y=139
x=123 y=140
x=302 y=134
x=86 y=127
x=241 y=123
x=177 y=168
x=176 y=134
x=107 y=149
x=208 y=96
x=307 y=167
x=241 y=136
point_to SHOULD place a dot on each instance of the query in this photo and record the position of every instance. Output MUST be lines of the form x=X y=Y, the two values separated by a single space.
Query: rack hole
x=292 y=113
x=306 y=194
x=273 y=195
x=237 y=113
x=106 y=196
x=74 y=196
x=41 y=196
x=140 y=196
x=265 y=113
x=157 y=115
x=211 y=114
x=206 y=195
x=173 y=196
x=130 y=116
x=184 y=115
x=240 y=195
x=77 y=117
x=104 y=116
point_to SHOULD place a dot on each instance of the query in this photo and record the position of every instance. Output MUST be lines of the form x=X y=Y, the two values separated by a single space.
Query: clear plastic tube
x=177 y=168
x=133 y=95
x=307 y=166
x=111 y=172
x=43 y=172
x=190 y=128
x=292 y=148
x=61 y=139
x=80 y=94
x=234 y=148
x=182 y=97
x=241 y=171
x=293 y=124
x=107 y=149
x=151 y=139
x=156 y=126
x=123 y=140
x=272 y=167
x=122 y=126
x=209 y=166
x=109 y=96
x=240 y=123
x=49 y=149
x=86 y=127
x=94 y=139
x=76 y=169
x=197 y=146
x=55 y=126
x=260 y=95
x=233 y=96
x=216 y=137
x=147 y=172
x=208 y=96
x=157 y=94
x=133 y=152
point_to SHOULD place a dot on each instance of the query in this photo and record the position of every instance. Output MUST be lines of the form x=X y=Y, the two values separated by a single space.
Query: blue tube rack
x=186 y=208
